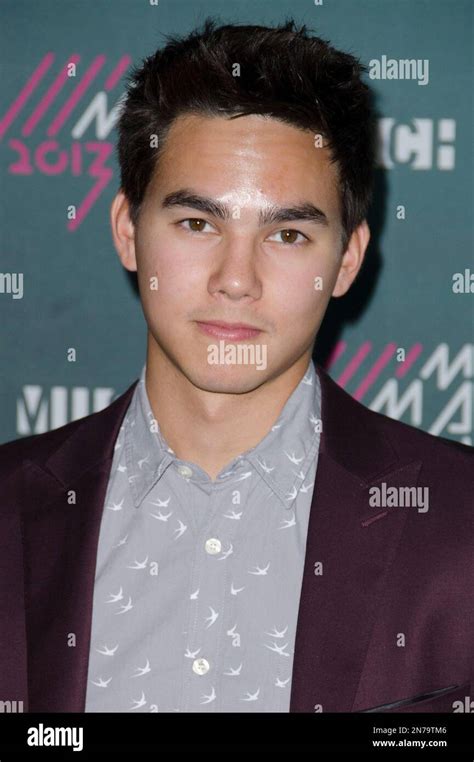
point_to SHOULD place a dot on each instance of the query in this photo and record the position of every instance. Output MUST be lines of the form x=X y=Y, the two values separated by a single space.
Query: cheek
x=173 y=269
x=302 y=296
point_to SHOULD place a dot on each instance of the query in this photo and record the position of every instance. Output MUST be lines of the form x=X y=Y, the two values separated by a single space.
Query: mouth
x=231 y=331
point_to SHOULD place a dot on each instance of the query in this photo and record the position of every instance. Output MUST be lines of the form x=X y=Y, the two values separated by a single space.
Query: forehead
x=251 y=154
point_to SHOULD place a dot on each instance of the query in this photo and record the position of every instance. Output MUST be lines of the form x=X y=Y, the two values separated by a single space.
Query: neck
x=211 y=428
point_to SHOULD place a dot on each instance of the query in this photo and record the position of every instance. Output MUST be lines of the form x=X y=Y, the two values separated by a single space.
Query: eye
x=289 y=237
x=196 y=224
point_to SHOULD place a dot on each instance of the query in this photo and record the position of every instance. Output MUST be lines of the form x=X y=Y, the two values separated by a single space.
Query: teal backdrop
x=401 y=341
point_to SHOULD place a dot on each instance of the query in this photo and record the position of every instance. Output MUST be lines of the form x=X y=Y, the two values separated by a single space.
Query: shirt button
x=200 y=666
x=213 y=546
x=185 y=471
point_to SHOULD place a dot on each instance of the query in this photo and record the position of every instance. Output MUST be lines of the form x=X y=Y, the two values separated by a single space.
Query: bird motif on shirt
x=211 y=697
x=143 y=670
x=180 y=530
x=260 y=570
x=107 y=651
x=139 y=564
x=115 y=506
x=139 y=702
x=211 y=618
x=101 y=683
x=116 y=597
x=251 y=696
x=126 y=607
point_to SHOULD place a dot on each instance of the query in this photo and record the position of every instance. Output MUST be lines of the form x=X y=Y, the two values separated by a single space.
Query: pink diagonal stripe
x=412 y=355
x=335 y=354
x=81 y=88
x=375 y=371
x=47 y=99
x=353 y=365
x=30 y=86
x=115 y=75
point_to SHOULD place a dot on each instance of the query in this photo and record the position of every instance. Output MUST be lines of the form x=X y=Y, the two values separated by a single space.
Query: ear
x=352 y=259
x=123 y=231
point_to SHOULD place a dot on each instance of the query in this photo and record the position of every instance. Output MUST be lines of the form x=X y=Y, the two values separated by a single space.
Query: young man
x=210 y=541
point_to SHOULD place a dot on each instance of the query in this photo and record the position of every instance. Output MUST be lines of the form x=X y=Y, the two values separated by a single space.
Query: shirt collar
x=282 y=458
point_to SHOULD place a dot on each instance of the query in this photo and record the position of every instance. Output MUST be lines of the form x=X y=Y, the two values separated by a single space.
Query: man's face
x=196 y=266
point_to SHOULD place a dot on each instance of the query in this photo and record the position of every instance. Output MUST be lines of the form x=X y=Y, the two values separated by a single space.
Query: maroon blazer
x=388 y=574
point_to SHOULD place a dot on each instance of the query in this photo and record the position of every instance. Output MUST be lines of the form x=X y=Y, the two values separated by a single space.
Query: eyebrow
x=306 y=211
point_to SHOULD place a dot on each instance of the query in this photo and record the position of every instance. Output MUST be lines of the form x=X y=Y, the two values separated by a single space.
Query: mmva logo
x=446 y=382
x=37 y=413
x=422 y=144
x=46 y=143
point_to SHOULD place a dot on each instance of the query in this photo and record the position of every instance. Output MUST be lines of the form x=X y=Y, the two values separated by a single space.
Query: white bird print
x=161 y=503
x=122 y=541
x=102 y=683
x=226 y=553
x=288 y=522
x=211 y=618
x=180 y=530
x=142 y=461
x=162 y=516
x=139 y=564
x=194 y=596
x=278 y=649
x=143 y=670
x=261 y=571
x=307 y=380
x=232 y=631
x=276 y=633
x=121 y=469
x=233 y=515
x=133 y=477
x=265 y=467
x=126 y=607
x=139 y=702
x=107 y=651
x=115 y=506
x=117 y=597
x=306 y=488
x=244 y=476
x=251 y=696
x=299 y=475
x=293 y=458
x=291 y=495
x=232 y=672
x=191 y=654
x=281 y=683
x=315 y=421
x=235 y=590
x=276 y=426
x=208 y=699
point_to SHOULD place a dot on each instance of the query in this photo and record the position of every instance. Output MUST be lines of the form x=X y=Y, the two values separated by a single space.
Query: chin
x=228 y=379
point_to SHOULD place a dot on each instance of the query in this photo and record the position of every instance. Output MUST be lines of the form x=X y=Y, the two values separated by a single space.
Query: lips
x=232 y=331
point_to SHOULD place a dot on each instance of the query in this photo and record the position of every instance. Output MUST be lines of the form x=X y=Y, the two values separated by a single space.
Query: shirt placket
x=210 y=581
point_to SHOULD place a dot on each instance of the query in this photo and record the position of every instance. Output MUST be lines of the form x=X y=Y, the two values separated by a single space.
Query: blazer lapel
x=350 y=547
x=62 y=507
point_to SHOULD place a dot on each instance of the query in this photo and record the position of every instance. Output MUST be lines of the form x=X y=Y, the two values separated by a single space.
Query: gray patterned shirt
x=197 y=582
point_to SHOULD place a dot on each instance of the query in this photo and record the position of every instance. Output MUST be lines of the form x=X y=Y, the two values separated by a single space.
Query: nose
x=235 y=275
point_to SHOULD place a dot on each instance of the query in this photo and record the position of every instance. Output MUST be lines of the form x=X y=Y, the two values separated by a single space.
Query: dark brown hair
x=284 y=73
